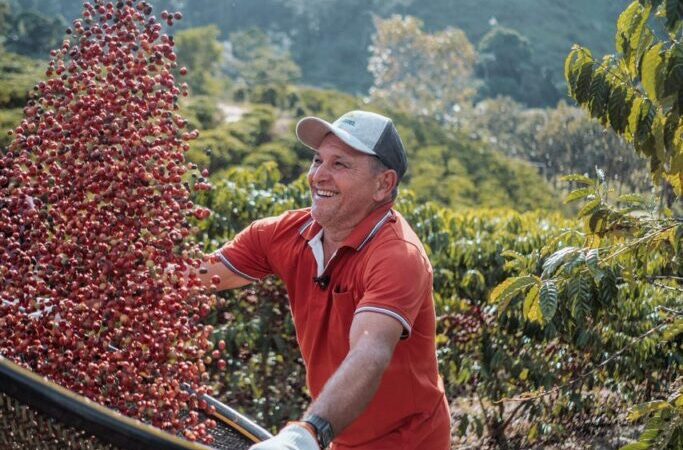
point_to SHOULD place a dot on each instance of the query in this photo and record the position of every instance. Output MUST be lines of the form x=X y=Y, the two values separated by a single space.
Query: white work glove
x=292 y=437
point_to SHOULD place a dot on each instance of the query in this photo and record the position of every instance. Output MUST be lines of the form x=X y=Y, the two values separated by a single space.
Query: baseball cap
x=364 y=131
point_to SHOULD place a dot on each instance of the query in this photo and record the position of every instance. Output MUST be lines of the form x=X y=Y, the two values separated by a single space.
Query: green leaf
x=631 y=199
x=645 y=409
x=651 y=71
x=569 y=66
x=589 y=207
x=643 y=134
x=513 y=255
x=618 y=109
x=676 y=182
x=548 y=296
x=592 y=258
x=551 y=264
x=524 y=374
x=578 y=194
x=506 y=291
x=473 y=279
x=652 y=429
x=626 y=24
x=583 y=82
x=608 y=289
x=576 y=178
x=599 y=96
x=636 y=446
x=671 y=124
x=672 y=12
x=673 y=330
x=532 y=307
x=677 y=399
x=598 y=221
x=634 y=117
x=674 y=72
x=533 y=433
x=644 y=40
x=578 y=290
x=573 y=64
x=633 y=36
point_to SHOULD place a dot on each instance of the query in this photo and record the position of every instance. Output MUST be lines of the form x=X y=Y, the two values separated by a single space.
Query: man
x=360 y=291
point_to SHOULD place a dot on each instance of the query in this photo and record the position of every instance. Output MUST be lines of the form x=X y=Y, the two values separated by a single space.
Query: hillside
x=551 y=26
x=342 y=31
x=445 y=166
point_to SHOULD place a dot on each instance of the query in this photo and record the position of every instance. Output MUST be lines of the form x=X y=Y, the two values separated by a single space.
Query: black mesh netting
x=23 y=427
x=37 y=414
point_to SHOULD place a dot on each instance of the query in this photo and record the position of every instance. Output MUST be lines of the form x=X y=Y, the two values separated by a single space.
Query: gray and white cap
x=364 y=131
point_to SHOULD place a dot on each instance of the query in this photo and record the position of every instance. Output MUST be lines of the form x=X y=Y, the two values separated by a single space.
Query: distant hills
x=329 y=39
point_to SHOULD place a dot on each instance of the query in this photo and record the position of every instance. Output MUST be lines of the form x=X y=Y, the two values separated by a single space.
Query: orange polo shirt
x=381 y=268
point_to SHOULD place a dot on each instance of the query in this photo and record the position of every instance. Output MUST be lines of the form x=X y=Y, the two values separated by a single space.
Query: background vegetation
x=556 y=320
x=345 y=28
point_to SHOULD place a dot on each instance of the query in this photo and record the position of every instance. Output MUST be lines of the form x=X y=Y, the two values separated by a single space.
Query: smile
x=323 y=193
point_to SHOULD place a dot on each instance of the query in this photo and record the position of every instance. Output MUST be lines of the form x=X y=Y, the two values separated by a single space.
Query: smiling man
x=360 y=291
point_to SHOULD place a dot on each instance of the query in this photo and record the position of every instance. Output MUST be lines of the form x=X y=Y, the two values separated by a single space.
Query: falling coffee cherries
x=94 y=221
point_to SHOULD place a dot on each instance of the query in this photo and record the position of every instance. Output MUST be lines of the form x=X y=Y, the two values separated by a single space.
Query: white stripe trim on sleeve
x=230 y=266
x=406 y=326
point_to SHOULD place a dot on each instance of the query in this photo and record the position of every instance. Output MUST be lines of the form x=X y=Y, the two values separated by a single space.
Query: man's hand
x=213 y=274
x=292 y=437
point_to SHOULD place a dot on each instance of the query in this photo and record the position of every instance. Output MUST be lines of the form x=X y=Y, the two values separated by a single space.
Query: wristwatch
x=323 y=429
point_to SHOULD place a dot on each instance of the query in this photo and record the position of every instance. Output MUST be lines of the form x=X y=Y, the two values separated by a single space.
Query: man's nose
x=320 y=172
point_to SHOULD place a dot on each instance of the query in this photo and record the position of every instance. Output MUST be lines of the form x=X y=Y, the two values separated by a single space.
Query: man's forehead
x=332 y=142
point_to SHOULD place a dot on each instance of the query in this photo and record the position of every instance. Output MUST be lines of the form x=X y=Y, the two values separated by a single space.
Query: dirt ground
x=595 y=434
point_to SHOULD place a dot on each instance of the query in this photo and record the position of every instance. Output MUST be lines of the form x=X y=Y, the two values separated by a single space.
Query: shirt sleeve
x=247 y=253
x=398 y=280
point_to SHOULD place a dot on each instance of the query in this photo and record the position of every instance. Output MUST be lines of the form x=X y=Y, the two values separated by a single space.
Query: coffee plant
x=95 y=215
x=611 y=297
x=636 y=91
x=534 y=378
x=617 y=294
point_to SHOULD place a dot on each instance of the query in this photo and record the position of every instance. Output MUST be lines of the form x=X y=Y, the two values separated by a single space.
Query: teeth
x=325 y=193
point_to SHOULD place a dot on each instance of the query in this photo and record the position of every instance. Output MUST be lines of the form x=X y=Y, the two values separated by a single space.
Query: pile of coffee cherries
x=95 y=214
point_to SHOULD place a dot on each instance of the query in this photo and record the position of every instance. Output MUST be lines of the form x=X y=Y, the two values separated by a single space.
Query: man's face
x=343 y=184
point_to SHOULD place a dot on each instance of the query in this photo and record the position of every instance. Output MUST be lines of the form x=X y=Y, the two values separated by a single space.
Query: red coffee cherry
x=93 y=214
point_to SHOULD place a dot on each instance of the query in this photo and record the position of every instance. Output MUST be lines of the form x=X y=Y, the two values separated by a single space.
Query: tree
x=425 y=74
x=506 y=66
x=570 y=141
x=198 y=49
x=5 y=11
x=638 y=91
x=558 y=141
x=34 y=34
x=257 y=60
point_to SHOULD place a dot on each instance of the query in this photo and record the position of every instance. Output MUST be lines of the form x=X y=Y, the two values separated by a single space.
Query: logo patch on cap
x=349 y=122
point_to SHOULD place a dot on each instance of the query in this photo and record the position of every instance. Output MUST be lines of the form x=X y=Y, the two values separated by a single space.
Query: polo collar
x=362 y=233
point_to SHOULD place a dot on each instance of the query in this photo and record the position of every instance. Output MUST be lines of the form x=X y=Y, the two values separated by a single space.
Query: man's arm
x=349 y=391
x=212 y=267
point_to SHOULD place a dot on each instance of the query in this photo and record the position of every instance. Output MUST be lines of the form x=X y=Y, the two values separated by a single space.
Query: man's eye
x=316 y=161
x=339 y=164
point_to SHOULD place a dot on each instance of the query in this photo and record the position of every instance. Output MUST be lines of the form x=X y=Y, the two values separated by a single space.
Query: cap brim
x=311 y=131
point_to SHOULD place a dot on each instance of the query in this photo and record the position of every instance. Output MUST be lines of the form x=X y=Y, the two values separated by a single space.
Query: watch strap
x=323 y=429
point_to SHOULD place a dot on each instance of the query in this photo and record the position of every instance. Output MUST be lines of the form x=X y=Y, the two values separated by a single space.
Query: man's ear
x=386 y=181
